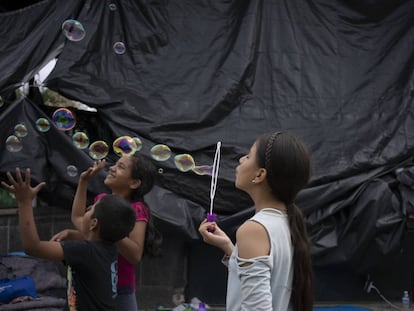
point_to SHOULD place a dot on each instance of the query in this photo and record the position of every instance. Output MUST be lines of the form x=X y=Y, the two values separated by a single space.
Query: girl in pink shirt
x=131 y=177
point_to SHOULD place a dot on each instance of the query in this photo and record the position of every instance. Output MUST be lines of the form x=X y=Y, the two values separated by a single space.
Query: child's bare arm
x=79 y=202
x=132 y=247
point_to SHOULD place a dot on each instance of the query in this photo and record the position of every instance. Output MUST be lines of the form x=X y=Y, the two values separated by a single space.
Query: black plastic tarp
x=336 y=73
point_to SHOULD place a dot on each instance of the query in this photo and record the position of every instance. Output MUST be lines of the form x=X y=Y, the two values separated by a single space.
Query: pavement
x=340 y=306
x=371 y=306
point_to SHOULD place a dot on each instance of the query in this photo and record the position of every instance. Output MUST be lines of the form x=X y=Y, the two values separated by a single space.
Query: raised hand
x=93 y=170
x=21 y=187
x=213 y=235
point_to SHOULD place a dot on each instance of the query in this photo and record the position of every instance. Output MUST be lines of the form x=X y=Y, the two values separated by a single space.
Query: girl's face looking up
x=247 y=169
x=119 y=176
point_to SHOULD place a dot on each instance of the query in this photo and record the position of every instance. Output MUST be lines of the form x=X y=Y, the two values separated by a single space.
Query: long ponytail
x=302 y=285
x=153 y=238
x=144 y=170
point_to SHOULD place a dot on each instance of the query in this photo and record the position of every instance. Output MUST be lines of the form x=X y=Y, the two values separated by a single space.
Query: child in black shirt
x=92 y=272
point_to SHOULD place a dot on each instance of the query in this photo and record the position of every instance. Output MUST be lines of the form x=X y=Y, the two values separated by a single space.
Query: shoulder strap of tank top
x=273 y=210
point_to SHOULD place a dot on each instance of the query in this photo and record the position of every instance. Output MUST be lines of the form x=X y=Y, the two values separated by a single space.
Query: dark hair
x=115 y=216
x=287 y=163
x=144 y=170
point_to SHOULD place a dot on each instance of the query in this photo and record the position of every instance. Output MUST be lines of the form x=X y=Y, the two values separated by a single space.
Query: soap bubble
x=160 y=152
x=138 y=142
x=119 y=48
x=73 y=30
x=203 y=169
x=80 y=140
x=72 y=170
x=42 y=125
x=112 y=6
x=98 y=150
x=64 y=119
x=13 y=144
x=20 y=130
x=124 y=145
x=184 y=162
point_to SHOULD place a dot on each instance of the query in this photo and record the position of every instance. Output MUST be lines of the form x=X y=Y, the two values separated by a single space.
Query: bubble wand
x=211 y=217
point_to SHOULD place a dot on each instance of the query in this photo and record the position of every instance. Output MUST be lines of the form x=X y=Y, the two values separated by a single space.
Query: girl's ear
x=94 y=224
x=135 y=183
x=261 y=175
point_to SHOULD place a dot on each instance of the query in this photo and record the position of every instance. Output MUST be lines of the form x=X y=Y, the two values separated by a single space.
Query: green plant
x=7 y=200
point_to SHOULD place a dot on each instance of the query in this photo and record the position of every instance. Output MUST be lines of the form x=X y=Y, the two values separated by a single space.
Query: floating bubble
x=98 y=150
x=119 y=48
x=138 y=142
x=73 y=30
x=203 y=169
x=160 y=152
x=64 y=119
x=160 y=170
x=112 y=6
x=13 y=144
x=20 y=130
x=72 y=170
x=42 y=125
x=124 y=146
x=184 y=162
x=80 y=140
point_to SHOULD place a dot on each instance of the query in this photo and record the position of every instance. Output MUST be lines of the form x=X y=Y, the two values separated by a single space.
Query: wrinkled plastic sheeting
x=315 y=68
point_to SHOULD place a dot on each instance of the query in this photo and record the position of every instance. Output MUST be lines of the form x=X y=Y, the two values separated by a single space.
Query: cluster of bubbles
x=74 y=31
x=63 y=119
x=14 y=141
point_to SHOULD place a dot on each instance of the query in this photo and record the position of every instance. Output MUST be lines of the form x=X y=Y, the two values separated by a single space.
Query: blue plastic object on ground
x=340 y=308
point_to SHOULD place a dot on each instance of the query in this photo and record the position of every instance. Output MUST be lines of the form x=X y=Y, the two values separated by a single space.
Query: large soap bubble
x=124 y=146
x=20 y=130
x=203 y=169
x=184 y=162
x=64 y=119
x=98 y=150
x=73 y=30
x=13 y=144
x=138 y=142
x=160 y=152
x=80 y=140
x=42 y=125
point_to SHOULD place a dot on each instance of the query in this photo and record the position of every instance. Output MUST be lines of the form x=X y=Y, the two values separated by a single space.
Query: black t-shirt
x=92 y=274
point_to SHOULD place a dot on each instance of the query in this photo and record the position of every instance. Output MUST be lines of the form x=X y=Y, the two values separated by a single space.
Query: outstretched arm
x=79 y=202
x=25 y=194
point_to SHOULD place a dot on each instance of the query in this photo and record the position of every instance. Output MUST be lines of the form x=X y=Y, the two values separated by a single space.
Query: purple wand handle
x=211 y=217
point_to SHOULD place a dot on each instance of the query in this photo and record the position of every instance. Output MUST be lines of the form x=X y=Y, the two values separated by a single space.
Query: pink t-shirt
x=126 y=270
